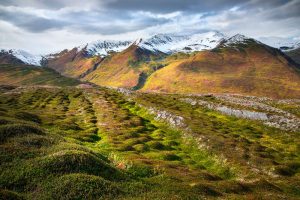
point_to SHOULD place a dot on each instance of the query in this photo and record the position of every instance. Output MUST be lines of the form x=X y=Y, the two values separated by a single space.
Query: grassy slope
x=31 y=75
x=72 y=63
x=252 y=69
x=121 y=69
x=95 y=144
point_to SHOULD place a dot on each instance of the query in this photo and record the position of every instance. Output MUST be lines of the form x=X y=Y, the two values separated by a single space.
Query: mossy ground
x=70 y=143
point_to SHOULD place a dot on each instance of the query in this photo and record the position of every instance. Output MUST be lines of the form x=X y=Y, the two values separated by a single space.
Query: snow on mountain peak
x=170 y=43
x=25 y=56
x=238 y=39
x=103 y=47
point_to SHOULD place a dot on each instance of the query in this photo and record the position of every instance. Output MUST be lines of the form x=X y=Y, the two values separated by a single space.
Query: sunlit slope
x=122 y=69
x=248 y=68
x=74 y=63
x=32 y=75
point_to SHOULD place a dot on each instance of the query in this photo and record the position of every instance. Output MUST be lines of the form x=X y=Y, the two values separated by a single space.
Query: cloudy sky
x=44 y=26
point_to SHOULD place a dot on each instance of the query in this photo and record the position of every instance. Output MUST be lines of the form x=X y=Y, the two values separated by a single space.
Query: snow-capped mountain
x=25 y=57
x=104 y=47
x=170 y=43
x=166 y=43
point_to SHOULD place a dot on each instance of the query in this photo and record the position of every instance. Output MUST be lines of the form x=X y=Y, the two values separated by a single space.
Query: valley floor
x=102 y=143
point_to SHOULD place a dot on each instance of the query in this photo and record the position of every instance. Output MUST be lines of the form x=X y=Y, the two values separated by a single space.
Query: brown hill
x=246 y=67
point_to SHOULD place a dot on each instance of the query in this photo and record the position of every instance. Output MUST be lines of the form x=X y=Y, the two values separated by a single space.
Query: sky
x=46 y=26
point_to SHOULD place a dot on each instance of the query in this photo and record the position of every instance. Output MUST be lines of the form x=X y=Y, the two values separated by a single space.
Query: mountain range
x=194 y=63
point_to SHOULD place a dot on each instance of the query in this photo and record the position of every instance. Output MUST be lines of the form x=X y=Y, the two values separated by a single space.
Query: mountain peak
x=104 y=47
x=238 y=38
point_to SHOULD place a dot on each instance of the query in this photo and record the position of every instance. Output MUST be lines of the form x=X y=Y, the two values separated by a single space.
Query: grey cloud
x=167 y=6
x=288 y=10
x=30 y=22
x=45 y=4
x=89 y=22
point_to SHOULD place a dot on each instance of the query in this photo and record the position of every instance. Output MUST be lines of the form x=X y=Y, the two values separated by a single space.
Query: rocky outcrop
x=244 y=106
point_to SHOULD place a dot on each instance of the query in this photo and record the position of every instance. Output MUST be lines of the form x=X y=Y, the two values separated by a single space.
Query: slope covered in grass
x=97 y=143
x=20 y=74
x=73 y=63
x=245 y=68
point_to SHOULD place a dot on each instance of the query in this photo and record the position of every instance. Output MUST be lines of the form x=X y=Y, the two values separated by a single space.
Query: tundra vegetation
x=88 y=142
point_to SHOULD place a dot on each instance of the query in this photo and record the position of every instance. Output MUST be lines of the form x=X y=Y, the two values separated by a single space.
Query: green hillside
x=31 y=75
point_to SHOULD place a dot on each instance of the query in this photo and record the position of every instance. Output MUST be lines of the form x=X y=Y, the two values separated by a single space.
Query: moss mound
x=11 y=130
x=156 y=145
x=75 y=161
x=206 y=189
x=9 y=195
x=80 y=186
x=28 y=117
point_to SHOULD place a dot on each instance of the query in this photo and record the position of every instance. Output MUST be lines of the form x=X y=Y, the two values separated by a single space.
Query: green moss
x=74 y=161
x=141 y=147
x=79 y=186
x=10 y=195
x=156 y=145
x=11 y=130
x=28 y=117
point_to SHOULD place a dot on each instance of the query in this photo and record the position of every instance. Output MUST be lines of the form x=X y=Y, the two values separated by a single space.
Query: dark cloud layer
x=110 y=17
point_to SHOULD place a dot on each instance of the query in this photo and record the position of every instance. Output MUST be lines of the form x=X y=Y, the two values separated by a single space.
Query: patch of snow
x=104 y=47
x=237 y=39
x=171 y=43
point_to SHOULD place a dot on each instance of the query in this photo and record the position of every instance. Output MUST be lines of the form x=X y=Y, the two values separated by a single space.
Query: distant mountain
x=124 y=69
x=80 y=61
x=195 y=63
x=72 y=63
x=237 y=65
x=19 y=56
